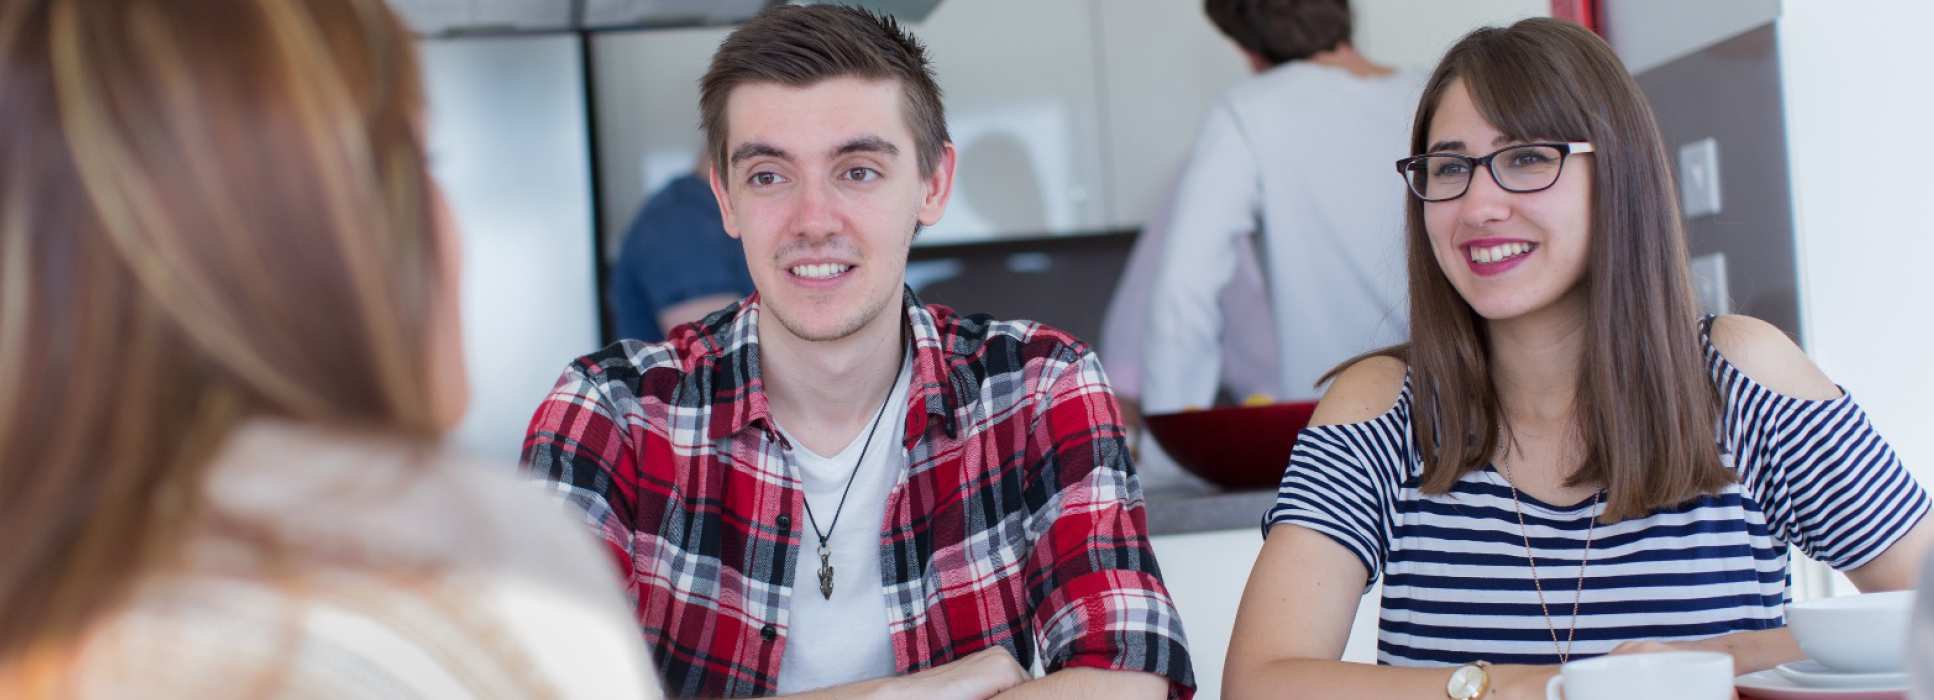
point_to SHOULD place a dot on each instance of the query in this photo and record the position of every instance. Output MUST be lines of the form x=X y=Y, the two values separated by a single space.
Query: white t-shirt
x=844 y=639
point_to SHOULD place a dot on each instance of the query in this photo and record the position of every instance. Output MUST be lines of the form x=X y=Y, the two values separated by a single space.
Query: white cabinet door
x=1022 y=100
x=509 y=147
x=1205 y=573
x=646 y=100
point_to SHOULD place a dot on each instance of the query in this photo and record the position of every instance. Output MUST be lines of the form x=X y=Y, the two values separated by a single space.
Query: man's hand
x=979 y=676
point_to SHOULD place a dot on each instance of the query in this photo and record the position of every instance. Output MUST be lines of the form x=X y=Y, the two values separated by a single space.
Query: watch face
x=1466 y=683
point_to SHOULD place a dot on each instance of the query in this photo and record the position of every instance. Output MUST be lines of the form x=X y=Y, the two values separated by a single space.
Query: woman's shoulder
x=380 y=503
x=1365 y=390
x=299 y=632
x=1765 y=355
x=384 y=550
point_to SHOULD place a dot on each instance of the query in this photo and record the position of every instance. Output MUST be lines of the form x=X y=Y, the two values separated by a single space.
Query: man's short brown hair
x=1282 y=30
x=801 y=45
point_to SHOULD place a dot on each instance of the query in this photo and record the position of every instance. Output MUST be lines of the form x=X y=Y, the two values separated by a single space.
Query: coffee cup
x=1669 y=675
x=1864 y=633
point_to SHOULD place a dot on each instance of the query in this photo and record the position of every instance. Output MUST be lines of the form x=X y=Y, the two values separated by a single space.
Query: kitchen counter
x=1173 y=511
x=1179 y=503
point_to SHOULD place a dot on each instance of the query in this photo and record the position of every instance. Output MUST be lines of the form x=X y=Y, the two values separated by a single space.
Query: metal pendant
x=825 y=572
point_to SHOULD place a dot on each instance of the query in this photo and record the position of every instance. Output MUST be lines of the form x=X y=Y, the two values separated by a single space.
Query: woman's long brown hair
x=1645 y=406
x=209 y=211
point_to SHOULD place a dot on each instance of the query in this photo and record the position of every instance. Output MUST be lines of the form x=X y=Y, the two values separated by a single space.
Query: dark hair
x=801 y=45
x=1646 y=408
x=1283 y=30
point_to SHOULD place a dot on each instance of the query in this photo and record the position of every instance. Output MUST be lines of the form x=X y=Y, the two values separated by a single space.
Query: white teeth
x=821 y=270
x=1500 y=252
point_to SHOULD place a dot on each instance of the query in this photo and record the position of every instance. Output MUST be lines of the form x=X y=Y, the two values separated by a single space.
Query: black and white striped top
x=1812 y=474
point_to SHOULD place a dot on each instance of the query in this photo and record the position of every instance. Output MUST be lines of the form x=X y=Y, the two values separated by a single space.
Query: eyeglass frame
x=1565 y=150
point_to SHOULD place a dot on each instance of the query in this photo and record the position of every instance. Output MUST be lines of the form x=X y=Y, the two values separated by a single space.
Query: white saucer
x=1770 y=685
x=1814 y=674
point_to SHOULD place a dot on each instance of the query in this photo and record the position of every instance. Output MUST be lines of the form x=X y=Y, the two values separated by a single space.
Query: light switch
x=1709 y=283
x=1699 y=178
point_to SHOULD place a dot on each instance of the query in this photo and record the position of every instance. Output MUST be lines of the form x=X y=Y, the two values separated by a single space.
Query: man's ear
x=726 y=215
x=939 y=186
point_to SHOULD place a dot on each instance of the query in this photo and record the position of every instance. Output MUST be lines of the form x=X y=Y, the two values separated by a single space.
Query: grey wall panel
x=1731 y=92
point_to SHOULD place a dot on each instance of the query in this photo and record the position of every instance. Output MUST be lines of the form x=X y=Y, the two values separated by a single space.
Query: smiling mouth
x=819 y=271
x=1500 y=253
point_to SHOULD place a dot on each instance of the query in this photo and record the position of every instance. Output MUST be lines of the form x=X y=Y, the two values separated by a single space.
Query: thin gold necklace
x=1564 y=652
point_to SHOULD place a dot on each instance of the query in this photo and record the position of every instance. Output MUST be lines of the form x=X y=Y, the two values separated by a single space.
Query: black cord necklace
x=826 y=555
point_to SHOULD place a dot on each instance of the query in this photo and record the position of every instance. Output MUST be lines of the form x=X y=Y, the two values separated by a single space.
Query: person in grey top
x=1282 y=157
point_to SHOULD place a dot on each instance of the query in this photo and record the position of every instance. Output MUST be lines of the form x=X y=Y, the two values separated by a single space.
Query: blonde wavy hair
x=209 y=212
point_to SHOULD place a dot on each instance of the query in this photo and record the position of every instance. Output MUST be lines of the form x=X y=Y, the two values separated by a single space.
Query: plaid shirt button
x=769 y=632
x=784 y=522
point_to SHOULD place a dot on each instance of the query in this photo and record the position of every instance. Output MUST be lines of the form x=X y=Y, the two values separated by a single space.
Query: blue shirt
x=676 y=250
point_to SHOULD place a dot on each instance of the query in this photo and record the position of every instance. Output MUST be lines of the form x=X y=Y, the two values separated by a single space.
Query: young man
x=830 y=486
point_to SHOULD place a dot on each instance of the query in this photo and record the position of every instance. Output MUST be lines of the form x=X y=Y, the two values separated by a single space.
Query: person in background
x=831 y=488
x=1282 y=153
x=1565 y=460
x=677 y=263
x=1248 y=348
x=228 y=349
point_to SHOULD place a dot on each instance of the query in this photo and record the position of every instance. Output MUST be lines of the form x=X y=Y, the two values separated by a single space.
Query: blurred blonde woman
x=228 y=348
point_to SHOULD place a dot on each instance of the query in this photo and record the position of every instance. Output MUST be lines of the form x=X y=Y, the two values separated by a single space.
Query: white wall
x=1070 y=115
x=1023 y=107
x=508 y=144
x=1859 y=101
x=1168 y=53
x=1415 y=34
x=1156 y=52
x=1647 y=33
x=1854 y=75
x=1022 y=97
x=1205 y=574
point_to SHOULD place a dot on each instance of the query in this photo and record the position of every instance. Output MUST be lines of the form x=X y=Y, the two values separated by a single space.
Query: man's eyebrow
x=755 y=149
x=867 y=144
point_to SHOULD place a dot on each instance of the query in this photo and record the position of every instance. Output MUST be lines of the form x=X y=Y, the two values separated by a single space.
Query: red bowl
x=1235 y=447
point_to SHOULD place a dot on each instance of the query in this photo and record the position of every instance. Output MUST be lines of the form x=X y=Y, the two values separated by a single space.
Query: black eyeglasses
x=1529 y=167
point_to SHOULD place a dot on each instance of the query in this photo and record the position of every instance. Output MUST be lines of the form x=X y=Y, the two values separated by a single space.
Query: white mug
x=1671 y=675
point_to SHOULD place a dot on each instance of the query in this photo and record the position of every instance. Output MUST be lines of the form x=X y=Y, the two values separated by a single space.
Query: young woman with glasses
x=1565 y=460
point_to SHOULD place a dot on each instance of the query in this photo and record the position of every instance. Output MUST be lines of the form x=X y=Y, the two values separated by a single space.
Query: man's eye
x=862 y=174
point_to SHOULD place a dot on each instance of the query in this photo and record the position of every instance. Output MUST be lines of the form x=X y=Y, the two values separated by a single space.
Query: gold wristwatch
x=1469 y=682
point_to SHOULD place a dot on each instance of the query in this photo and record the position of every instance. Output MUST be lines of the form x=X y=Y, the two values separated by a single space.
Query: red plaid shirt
x=1019 y=522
